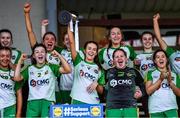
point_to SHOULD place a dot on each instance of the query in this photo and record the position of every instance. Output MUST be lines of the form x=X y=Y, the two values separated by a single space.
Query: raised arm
x=161 y=42
x=65 y=68
x=31 y=35
x=44 y=24
x=17 y=74
x=72 y=43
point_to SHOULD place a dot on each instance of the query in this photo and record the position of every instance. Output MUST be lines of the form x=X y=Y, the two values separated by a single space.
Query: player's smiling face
x=90 y=52
x=119 y=59
x=160 y=60
x=115 y=36
x=147 y=41
x=5 y=58
x=49 y=42
x=39 y=55
x=5 y=39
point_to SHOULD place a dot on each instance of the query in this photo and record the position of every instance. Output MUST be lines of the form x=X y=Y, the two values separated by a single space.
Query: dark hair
x=119 y=50
x=147 y=32
x=51 y=33
x=88 y=42
x=33 y=49
x=7 y=31
x=154 y=56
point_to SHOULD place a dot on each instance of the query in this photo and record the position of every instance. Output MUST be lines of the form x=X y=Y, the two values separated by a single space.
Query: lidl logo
x=76 y=111
x=57 y=112
x=95 y=111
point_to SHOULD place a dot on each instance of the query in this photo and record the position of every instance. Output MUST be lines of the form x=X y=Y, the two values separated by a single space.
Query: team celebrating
x=62 y=75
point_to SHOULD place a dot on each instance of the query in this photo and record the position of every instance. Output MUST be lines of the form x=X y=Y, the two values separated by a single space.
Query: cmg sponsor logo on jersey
x=87 y=75
x=35 y=83
x=165 y=85
x=6 y=86
x=114 y=82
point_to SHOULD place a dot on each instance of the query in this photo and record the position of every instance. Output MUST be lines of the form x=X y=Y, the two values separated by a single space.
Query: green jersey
x=66 y=80
x=8 y=88
x=41 y=81
x=85 y=74
x=52 y=59
x=174 y=58
x=146 y=64
x=164 y=98
x=16 y=54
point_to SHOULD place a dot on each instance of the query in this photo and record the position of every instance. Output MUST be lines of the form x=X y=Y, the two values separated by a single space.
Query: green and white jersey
x=66 y=80
x=105 y=56
x=81 y=53
x=174 y=58
x=146 y=63
x=85 y=74
x=51 y=59
x=54 y=60
x=16 y=54
x=41 y=81
x=162 y=99
x=7 y=88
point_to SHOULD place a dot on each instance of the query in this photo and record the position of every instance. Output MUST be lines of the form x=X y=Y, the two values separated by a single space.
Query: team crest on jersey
x=13 y=57
x=88 y=67
x=46 y=72
x=96 y=71
x=111 y=75
x=131 y=74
